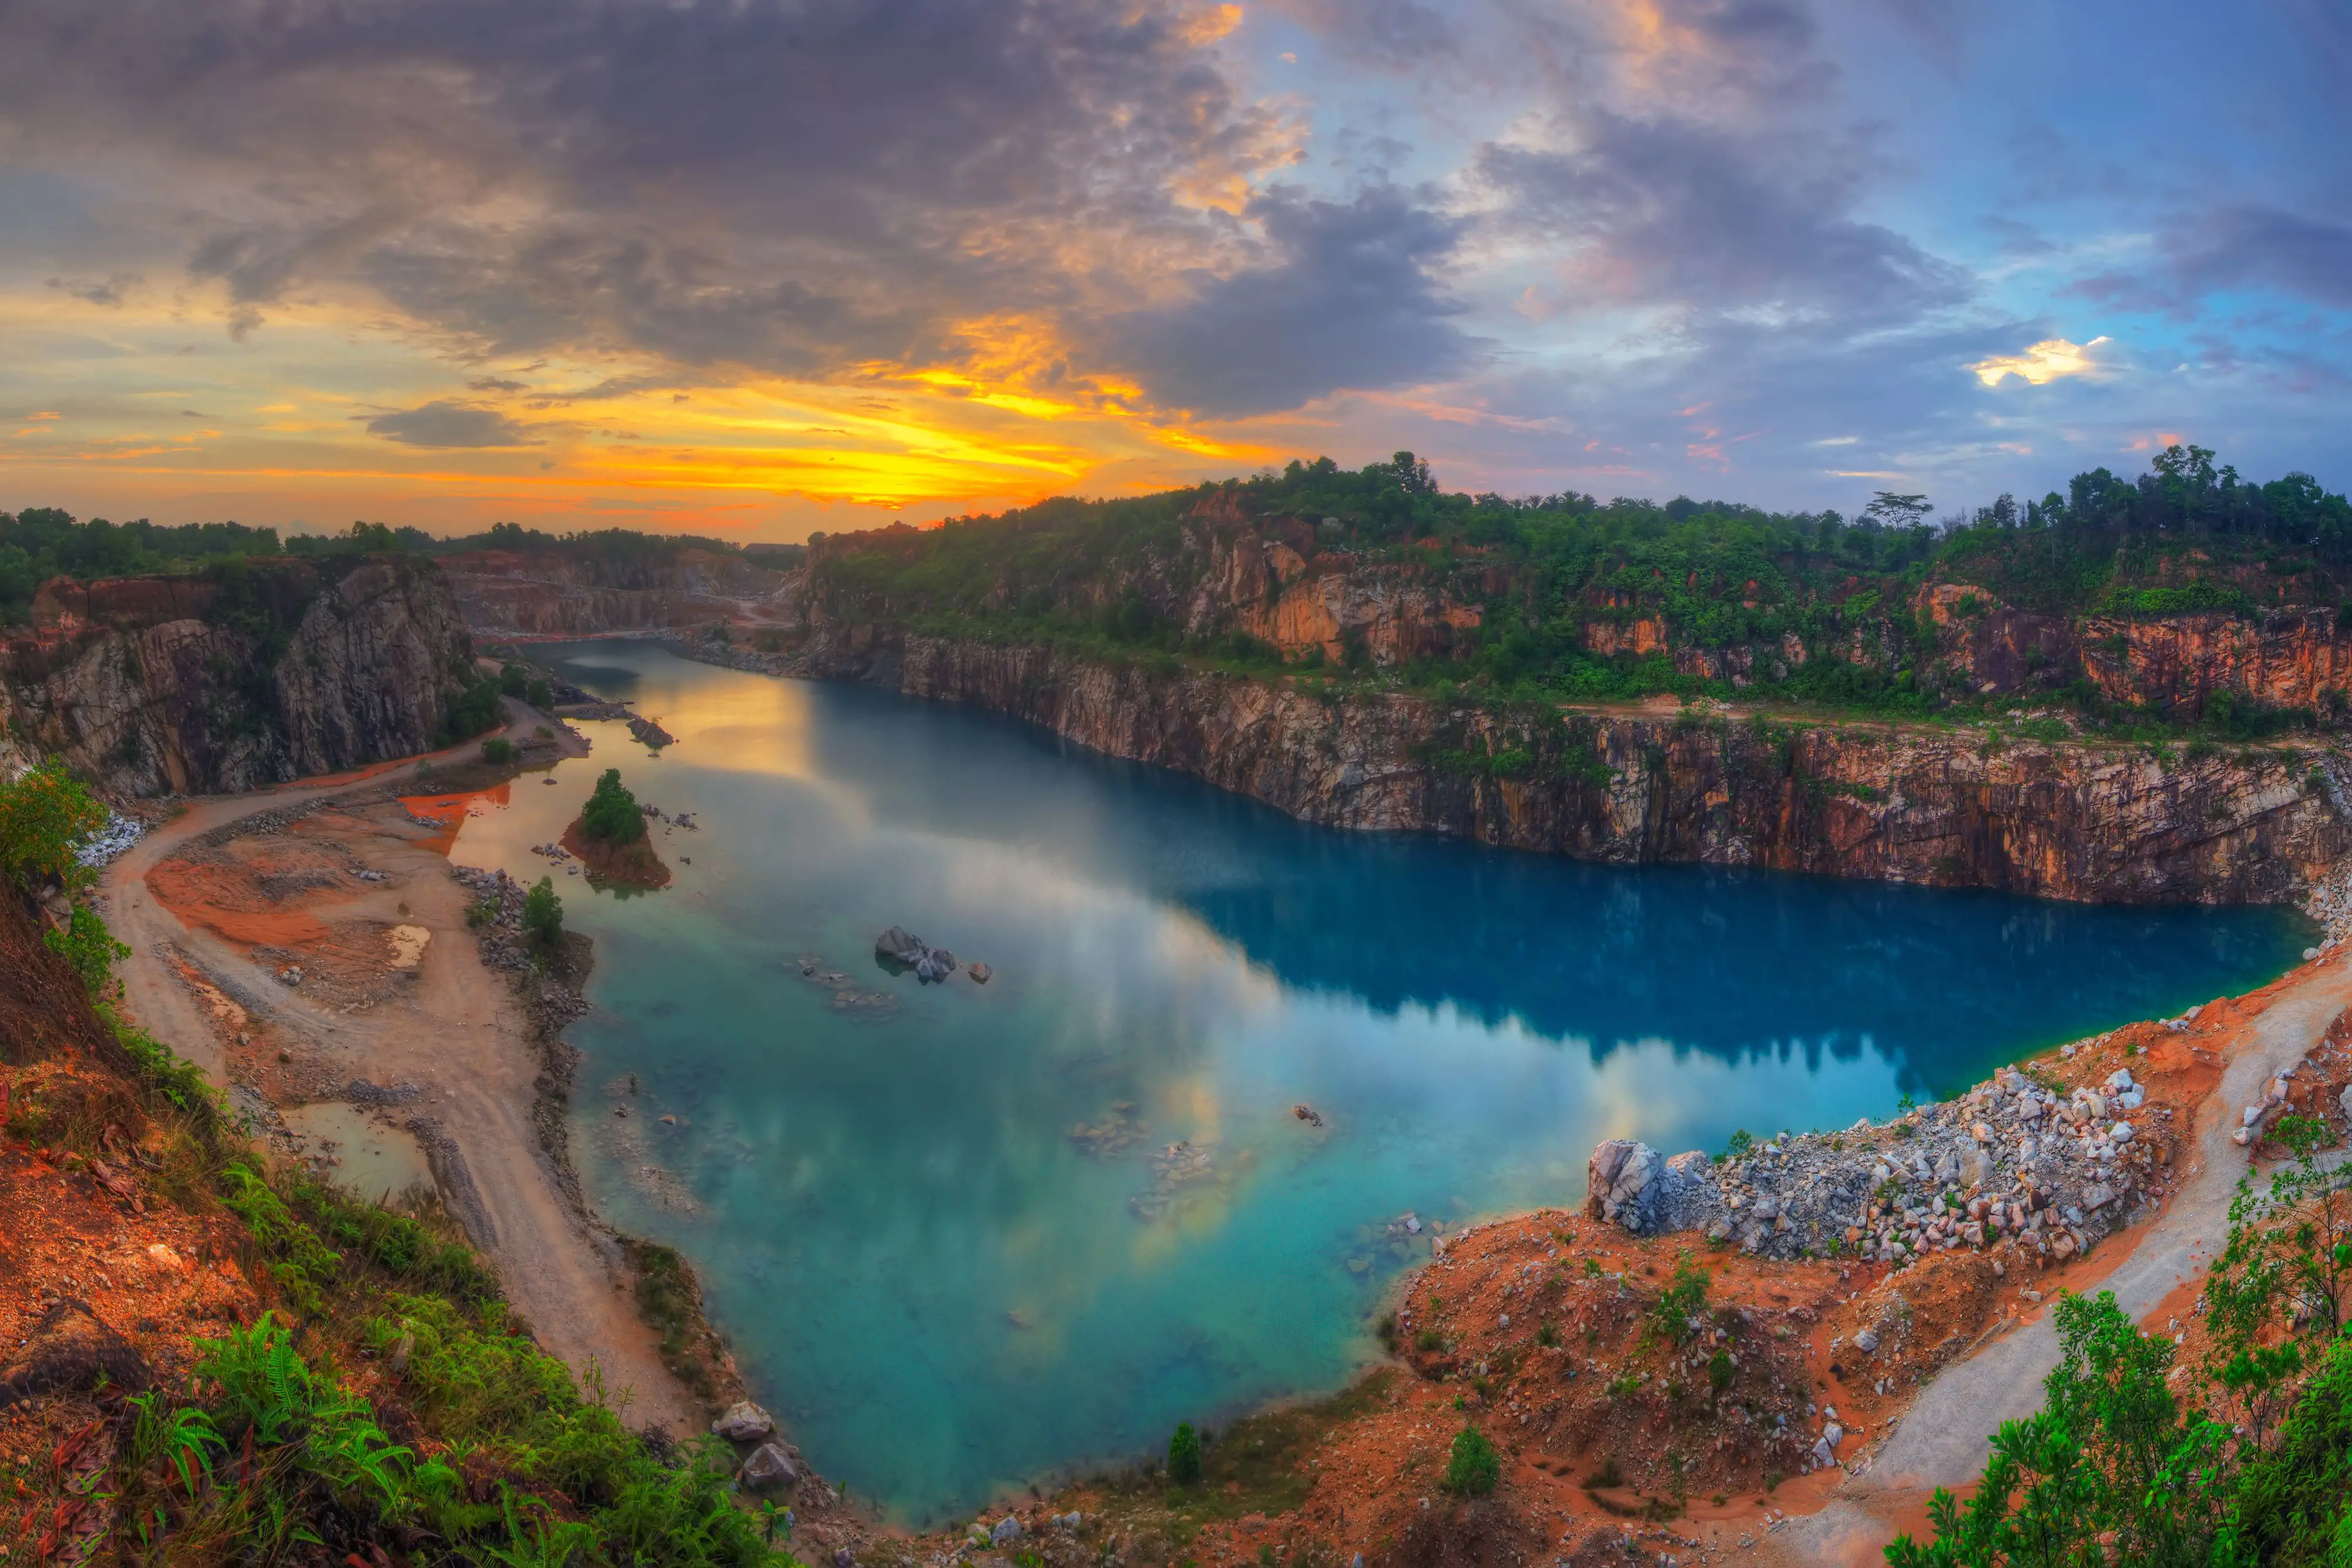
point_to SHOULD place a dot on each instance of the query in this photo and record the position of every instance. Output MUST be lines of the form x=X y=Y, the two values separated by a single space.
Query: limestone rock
x=769 y=1468
x=744 y=1422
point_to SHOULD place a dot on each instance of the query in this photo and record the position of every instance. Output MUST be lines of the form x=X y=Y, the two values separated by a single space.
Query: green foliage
x=1738 y=1145
x=1675 y=1314
x=42 y=543
x=1184 y=1455
x=498 y=751
x=514 y=679
x=1474 y=1468
x=301 y=1263
x=542 y=913
x=88 y=946
x=540 y=694
x=472 y=711
x=2111 y=1469
x=45 y=816
x=2292 y=1498
x=612 y=815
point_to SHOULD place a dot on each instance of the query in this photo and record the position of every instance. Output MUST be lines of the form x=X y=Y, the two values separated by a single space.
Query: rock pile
x=2014 y=1159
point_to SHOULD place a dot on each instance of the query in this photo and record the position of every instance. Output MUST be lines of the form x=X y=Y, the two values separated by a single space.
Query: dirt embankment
x=312 y=948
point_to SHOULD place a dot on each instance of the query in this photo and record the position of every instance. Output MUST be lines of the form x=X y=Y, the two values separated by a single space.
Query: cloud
x=442 y=424
x=2239 y=245
x=798 y=189
x=2045 y=361
x=1345 y=297
x=1707 y=219
x=109 y=291
x=1396 y=35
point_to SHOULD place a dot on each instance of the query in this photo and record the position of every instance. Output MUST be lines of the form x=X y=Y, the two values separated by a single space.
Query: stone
x=2119 y=1080
x=1833 y=1434
x=979 y=972
x=769 y=1468
x=744 y=1422
x=1006 y=1531
x=1866 y=1340
x=2121 y=1132
x=1632 y=1186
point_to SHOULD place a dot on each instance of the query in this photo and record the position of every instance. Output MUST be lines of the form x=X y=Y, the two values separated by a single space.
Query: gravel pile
x=2014 y=1159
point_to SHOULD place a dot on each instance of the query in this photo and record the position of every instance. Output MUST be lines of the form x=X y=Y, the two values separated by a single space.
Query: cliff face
x=1930 y=806
x=185 y=685
x=548 y=594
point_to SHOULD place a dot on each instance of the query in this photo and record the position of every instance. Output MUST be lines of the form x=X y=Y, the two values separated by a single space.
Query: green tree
x=542 y=913
x=2110 y=1470
x=612 y=815
x=1474 y=1468
x=45 y=817
x=1184 y=1455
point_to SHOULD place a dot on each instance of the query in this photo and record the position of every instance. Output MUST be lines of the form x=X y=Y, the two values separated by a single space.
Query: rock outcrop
x=192 y=685
x=2050 y=1168
x=1944 y=808
x=545 y=594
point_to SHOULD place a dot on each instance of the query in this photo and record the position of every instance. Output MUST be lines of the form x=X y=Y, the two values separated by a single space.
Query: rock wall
x=510 y=593
x=1941 y=807
x=151 y=687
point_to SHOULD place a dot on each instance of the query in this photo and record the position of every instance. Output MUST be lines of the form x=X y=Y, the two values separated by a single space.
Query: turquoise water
x=945 y=1293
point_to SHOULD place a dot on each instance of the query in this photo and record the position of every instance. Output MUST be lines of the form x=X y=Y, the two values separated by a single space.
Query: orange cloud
x=2051 y=360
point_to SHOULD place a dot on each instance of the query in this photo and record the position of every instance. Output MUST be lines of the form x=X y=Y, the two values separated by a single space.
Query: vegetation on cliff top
x=2236 y=1460
x=1105 y=577
x=388 y=1408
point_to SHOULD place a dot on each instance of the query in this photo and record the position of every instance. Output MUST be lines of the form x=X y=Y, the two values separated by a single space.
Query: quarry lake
x=962 y=1236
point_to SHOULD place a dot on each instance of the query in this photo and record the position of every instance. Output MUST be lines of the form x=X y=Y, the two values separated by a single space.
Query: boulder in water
x=901 y=945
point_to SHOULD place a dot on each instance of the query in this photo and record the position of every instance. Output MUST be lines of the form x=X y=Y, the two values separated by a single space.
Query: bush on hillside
x=45 y=816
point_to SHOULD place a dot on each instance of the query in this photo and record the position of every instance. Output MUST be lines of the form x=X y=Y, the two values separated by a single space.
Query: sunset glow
x=551 y=267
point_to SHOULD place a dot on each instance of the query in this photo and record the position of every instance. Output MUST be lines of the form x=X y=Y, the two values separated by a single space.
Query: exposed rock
x=901 y=945
x=744 y=1422
x=149 y=685
x=1631 y=1185
x=769 y=1468
x=1006 y=1531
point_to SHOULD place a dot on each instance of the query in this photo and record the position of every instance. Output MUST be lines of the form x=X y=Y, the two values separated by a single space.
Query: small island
x=609 y=837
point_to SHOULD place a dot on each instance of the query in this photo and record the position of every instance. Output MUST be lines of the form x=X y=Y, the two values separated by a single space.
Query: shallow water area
x=963 y=1236
x=358 y=1152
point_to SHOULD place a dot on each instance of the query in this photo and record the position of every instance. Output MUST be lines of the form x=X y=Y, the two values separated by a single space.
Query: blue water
x=944 y=1293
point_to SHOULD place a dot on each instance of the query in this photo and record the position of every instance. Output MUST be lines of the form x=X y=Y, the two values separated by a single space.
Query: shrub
x=1474 y=1467
x=542 y=913
x=514 y=680
x=472 y=711
x=88 y=946
x=498 y=751
x=541 y=696
x=1184 y=1455
x=45 y=816
x=611 y=815
x=1679 y=1306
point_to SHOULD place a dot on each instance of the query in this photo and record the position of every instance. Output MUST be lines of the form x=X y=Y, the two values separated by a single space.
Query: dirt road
x=1946 y=1437
x=450 y=1026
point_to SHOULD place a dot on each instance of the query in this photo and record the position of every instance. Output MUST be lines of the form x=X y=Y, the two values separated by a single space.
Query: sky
x=751 y=269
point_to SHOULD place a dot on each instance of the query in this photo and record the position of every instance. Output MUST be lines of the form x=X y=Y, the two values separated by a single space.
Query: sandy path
x=458 y=1035
x=1945 y=1437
